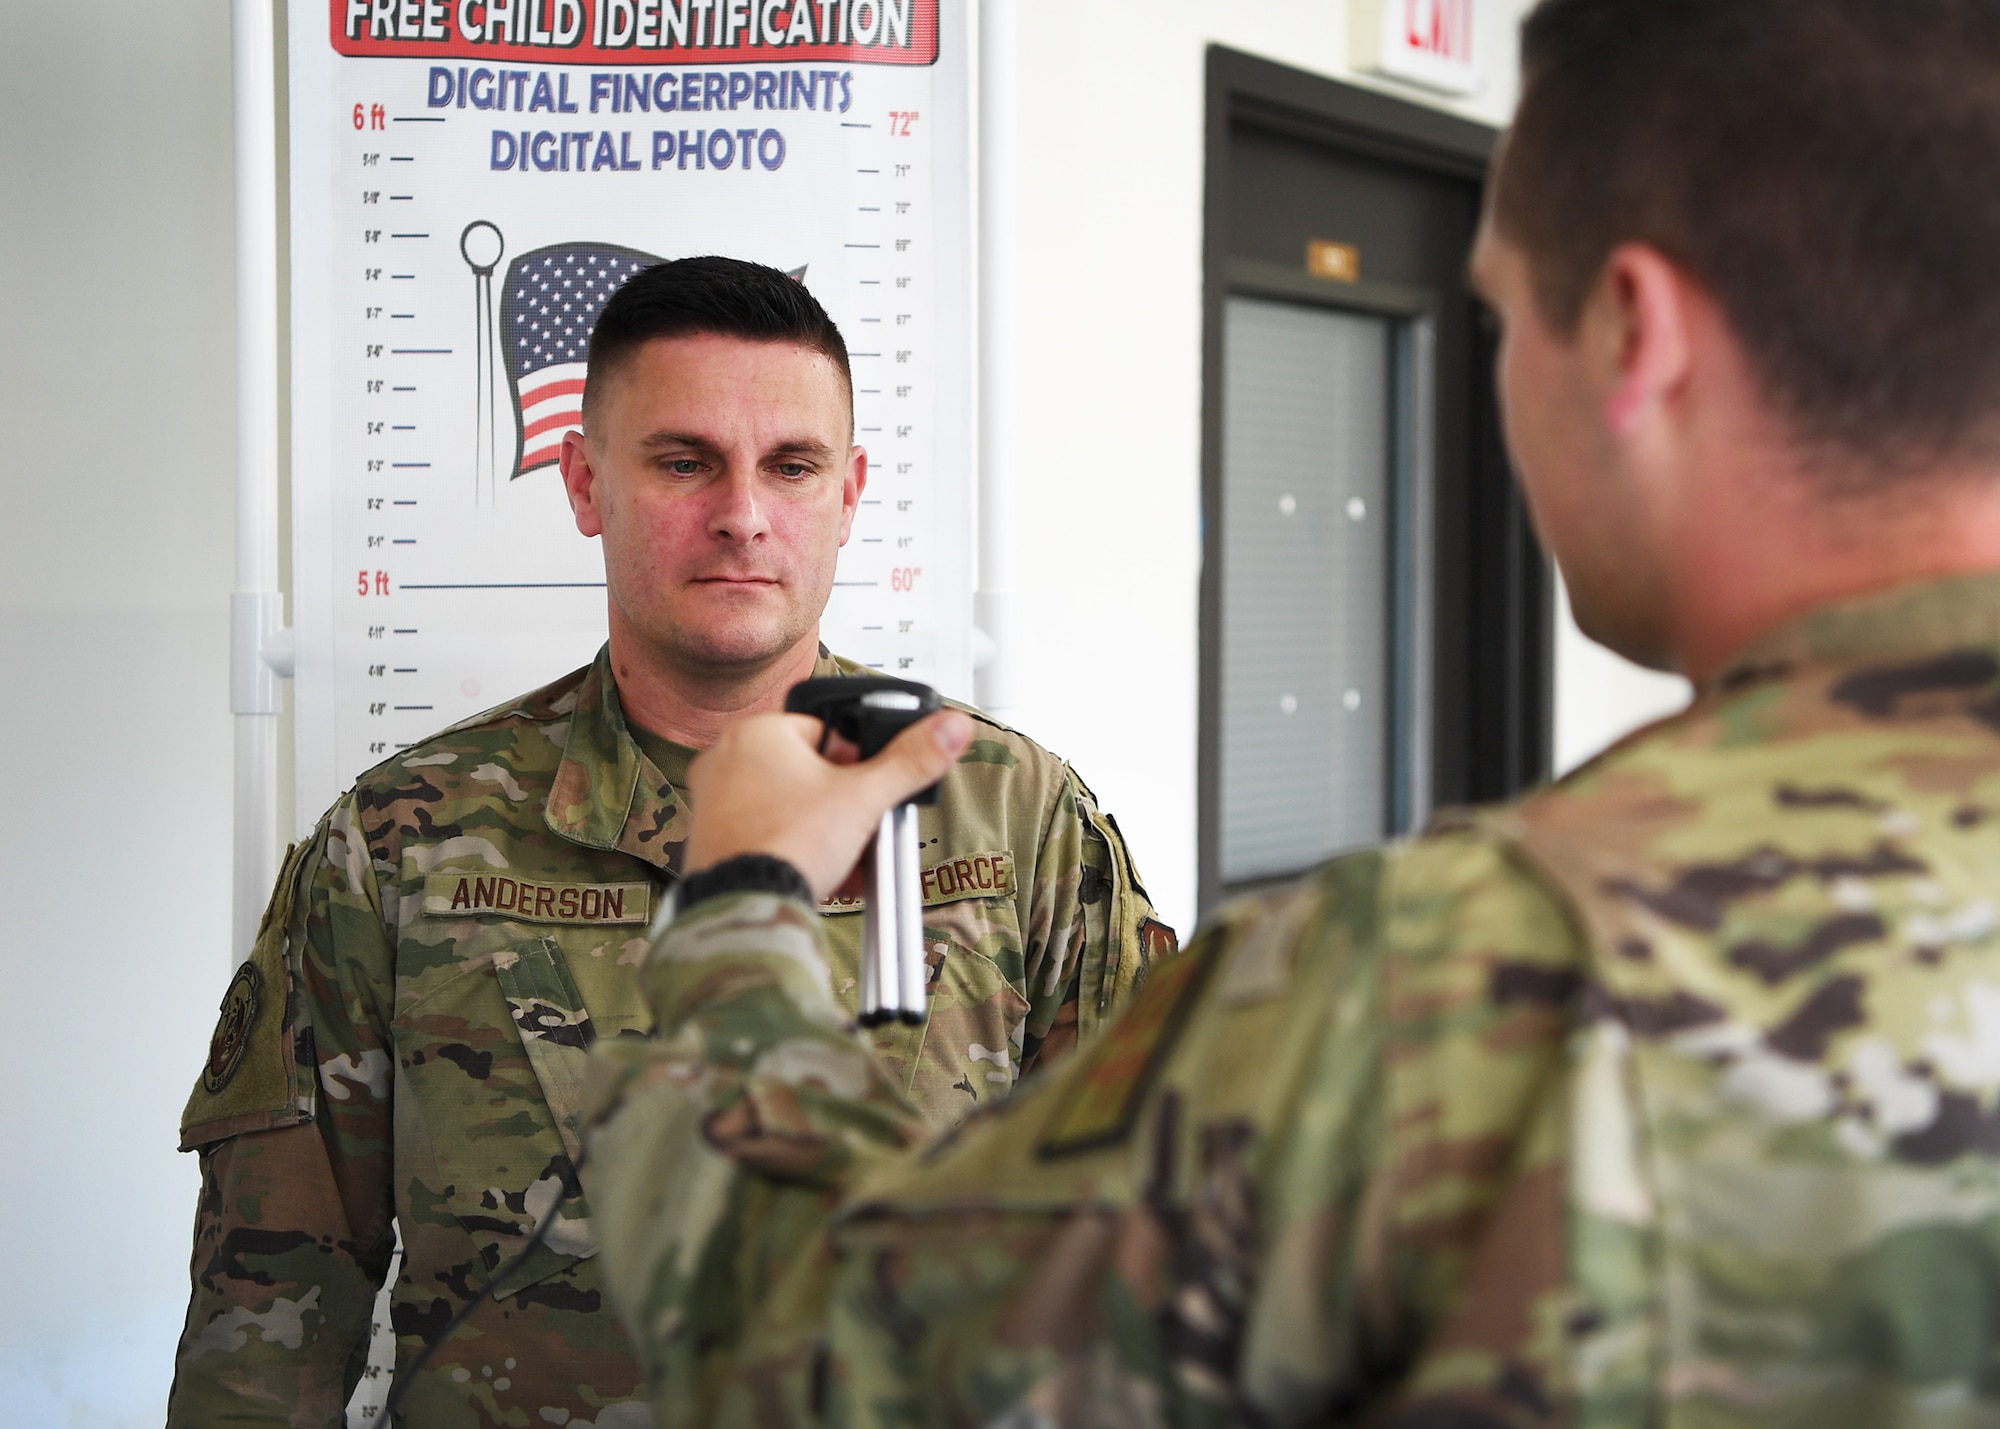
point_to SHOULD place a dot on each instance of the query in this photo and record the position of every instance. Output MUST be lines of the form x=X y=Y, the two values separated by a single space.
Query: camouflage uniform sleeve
x=720 y=1144
x=1460 y=1259
x=1320 y=1147
x=293 y=1230
x=1102 y=933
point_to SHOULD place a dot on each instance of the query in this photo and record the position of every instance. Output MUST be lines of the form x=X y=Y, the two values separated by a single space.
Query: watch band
x=746 y=873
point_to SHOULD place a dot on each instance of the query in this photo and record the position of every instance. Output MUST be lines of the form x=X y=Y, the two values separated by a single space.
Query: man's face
x=723 y=478
x=1580 y=494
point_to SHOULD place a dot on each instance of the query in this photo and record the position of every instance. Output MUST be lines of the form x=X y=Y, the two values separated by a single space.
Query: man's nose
x=736 y=512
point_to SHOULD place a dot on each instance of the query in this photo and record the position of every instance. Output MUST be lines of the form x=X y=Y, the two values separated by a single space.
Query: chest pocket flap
x=503 y=1113
x=556 y=1034
x=555 y=1029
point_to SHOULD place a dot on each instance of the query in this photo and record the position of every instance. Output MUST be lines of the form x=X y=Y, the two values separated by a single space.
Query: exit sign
x=1429 y=42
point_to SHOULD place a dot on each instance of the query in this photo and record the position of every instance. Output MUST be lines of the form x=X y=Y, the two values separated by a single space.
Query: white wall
x=116 y=561
x=1599 y=696
x=115 y=566
x=1111 y=186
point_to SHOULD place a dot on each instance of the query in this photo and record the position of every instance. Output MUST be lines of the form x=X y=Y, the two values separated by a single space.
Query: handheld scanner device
x=868 y=711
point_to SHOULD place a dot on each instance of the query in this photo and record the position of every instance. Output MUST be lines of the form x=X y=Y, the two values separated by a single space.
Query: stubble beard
x=726 y=646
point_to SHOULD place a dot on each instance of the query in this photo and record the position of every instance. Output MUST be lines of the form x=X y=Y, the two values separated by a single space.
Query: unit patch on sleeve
x=232 y=1029
x=480 y=895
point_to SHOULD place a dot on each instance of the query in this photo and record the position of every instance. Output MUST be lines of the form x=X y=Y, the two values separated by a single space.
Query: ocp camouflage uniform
x=408 y=1043
x=1669 y=1095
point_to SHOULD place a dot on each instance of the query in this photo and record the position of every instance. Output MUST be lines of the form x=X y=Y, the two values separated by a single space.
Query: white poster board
x=469 y=181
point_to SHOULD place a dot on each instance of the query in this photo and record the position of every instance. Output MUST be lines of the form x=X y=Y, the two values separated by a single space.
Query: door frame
x=1508 y=610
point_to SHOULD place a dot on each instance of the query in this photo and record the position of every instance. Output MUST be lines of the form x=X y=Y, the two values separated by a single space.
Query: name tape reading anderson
x=465 y=895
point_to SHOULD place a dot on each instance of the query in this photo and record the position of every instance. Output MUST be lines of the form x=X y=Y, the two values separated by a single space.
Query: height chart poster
x=470 y=180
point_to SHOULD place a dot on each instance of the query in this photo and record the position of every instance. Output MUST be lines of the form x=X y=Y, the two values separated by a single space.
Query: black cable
x=572 y=1188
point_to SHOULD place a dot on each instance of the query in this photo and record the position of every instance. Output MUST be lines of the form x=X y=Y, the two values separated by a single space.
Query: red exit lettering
x=1440 y=27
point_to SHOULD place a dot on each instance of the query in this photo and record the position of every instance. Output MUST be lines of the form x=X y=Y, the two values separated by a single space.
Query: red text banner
x=649 y=32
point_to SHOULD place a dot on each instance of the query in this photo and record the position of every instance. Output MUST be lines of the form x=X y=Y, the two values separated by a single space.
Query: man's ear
x=851 y=486
x=580 y=484
x=1637 y=325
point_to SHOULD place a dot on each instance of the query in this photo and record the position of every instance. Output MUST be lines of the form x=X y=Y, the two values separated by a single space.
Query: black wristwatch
x=746 y=873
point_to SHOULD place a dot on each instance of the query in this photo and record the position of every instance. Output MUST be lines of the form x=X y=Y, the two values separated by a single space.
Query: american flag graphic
x=553 y=297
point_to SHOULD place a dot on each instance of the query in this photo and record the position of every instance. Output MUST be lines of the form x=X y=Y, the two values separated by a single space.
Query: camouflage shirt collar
x=607 y=794
x=1909 y=621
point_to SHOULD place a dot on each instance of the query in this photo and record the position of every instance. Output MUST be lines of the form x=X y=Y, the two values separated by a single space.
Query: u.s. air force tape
x=524 y=900
x=988 y=874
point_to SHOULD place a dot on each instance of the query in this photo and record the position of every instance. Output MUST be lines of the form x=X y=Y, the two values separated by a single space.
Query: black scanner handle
x=867 y=710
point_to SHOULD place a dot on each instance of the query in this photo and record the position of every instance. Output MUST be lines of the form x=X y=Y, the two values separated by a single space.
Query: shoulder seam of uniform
x=981 y=717
x=1698 y=707
x=514 y=711
x=972 y=710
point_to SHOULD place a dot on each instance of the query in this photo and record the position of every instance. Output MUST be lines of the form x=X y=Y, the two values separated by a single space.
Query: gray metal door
x=1375 y=612
x=1325 y=601
x=1306 y=585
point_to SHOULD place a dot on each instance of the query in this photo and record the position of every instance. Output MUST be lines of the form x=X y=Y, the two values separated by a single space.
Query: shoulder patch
x=248 y=1081
x=1157 y=943
x=232 y=1029
x=1102 y=1098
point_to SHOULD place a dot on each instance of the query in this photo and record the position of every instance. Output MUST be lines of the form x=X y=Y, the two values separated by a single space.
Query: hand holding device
x=869 y=712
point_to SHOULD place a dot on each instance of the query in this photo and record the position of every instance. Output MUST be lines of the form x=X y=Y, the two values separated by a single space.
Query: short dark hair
x=1828 y=169
x=727 y=297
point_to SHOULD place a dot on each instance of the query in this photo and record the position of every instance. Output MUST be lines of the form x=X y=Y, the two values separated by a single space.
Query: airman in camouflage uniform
x=1665 y=1096
x=404 y=1052
x=408 y=1045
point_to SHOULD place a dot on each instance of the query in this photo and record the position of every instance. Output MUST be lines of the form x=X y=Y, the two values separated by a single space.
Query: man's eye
x=684 y=466
x=793 y=469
